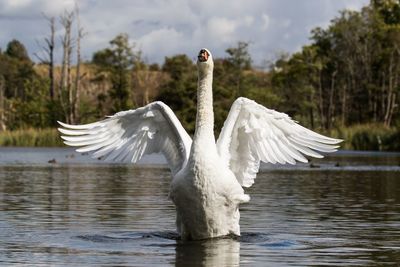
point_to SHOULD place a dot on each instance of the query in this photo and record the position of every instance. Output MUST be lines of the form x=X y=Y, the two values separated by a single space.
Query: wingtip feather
x=79 y=126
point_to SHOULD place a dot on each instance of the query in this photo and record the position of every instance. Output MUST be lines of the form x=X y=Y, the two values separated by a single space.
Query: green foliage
x=22 y=101
x=392 y=141
x=117 y=60
x=236 y=63
x=104 y=59
x=16 y=68
x=368 y=137
x=294 y=82
x=32 y=110
x=350 y=74
x=181 y=89
x=31 y=138
x=389 y=10
x=15 y=49
x=239 y=57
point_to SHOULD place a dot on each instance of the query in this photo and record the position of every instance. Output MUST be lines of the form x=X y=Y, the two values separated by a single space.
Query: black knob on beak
x=203 y=55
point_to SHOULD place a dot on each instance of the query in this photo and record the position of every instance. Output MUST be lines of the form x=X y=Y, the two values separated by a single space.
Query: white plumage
x=208 y=176
x=253 y=133
x=128 y=135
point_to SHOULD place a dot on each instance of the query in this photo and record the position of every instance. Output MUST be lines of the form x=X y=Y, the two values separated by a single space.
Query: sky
x=161 y=28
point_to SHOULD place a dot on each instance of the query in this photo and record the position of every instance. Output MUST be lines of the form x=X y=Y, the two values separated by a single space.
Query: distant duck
x=52 y=161
x=208 y=176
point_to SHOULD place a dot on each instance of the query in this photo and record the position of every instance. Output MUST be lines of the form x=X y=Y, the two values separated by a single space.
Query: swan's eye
x=203 y=55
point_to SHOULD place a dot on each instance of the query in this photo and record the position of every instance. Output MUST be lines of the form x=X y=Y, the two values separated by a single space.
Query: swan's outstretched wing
x=128 y=135
x=253 y=133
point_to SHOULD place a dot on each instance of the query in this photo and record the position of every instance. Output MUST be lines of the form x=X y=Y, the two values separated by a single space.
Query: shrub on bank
x=31 y=138
x=358 y=137
x=368 y=137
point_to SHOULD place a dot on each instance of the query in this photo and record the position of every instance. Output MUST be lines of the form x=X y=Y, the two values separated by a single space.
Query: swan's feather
x=128 y=135
x=253 y=133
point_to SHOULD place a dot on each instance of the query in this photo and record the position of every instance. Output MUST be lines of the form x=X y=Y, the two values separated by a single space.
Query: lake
x=59 y=208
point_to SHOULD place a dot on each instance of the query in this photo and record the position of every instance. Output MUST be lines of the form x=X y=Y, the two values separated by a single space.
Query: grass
x=31 y=138
x=375 y=137
x=357 y=137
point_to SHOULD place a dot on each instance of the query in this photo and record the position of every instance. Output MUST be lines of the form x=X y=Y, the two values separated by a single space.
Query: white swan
x=208 y=176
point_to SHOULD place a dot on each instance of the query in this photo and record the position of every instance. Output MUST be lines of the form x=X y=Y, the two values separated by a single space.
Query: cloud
x=26 y=8
x=15 y=5
x=248 y=21
x=162 y=42
x=222 y=28
x=167 y=27
x=265 y=22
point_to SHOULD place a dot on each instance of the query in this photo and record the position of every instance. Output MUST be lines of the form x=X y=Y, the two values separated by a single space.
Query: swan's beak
x=203 y=55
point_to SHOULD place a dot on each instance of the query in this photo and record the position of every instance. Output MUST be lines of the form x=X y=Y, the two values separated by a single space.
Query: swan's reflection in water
x=105 y=215
x=218 y=252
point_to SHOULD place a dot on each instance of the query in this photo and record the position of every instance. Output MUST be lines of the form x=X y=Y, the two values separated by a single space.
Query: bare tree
x=66 y=21
x=392 y=85
x=67 y=86
x=79 y=76
x=145 y=82
x=2 y=115
x=48 y=59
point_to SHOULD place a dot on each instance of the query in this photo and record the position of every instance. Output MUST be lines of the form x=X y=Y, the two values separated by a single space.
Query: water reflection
x=96 y=214
x=219 y=252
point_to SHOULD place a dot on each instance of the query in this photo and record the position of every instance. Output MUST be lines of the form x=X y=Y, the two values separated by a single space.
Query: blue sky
x=167 y=27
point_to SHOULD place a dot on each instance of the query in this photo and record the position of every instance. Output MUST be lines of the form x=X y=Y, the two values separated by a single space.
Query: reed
x=31 y=138
x=375 y=137
x=357 y=137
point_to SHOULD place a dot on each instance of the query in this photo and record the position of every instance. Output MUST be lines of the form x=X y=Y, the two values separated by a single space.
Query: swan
x=209 y=176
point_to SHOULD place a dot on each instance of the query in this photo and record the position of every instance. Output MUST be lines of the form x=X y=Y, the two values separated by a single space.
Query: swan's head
x=204 y=60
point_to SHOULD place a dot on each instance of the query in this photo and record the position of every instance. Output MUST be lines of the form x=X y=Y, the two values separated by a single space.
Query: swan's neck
x=205 y=114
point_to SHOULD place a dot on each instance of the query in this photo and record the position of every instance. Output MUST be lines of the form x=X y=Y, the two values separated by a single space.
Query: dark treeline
x=349 y=75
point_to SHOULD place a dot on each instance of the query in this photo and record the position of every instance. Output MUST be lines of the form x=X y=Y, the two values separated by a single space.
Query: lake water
x=343 y=210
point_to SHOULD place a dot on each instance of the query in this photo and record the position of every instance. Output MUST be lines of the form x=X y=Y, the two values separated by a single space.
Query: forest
x=345 y=82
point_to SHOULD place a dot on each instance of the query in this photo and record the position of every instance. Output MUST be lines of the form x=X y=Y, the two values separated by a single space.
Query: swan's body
x=208 y=176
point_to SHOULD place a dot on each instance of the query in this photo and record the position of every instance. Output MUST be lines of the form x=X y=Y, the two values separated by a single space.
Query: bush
x=31 y=138
x=368 y=137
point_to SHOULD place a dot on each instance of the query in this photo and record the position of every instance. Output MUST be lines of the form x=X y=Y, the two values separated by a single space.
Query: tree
x=351 y=69
x=75 y=99
x=239 y=56
x=118 y=61
x=16 y=68
x=179 y=92
x=146 y=80
x=15 y=49
x=65 y=90
x=48 y=58
x=389 y=10
x=294 y=81
x=238 y=60
x=2 y=100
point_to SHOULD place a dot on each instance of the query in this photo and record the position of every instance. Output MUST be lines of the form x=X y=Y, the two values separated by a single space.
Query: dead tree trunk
x=76 y=97
x=344 y=104
x=331 y=107
x=65 y=79
x=51 y=45
x=390 y=93
x=2 y=100
x=321 y=98
x=48 y=59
